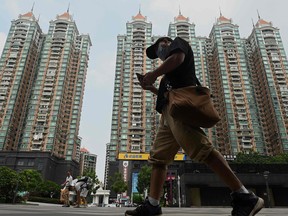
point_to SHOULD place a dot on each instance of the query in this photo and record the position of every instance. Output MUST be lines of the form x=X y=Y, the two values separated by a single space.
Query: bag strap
x=197 y=82
x=169 y=87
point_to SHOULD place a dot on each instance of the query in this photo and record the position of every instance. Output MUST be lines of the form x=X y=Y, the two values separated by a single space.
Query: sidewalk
x=40 y=204
x=46 y=209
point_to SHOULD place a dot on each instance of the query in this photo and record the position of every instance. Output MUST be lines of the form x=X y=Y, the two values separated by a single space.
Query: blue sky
x=103 y=20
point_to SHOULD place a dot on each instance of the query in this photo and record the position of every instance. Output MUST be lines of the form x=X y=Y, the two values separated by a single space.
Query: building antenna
x=139 y=8
x=253 y=22
x=68 y=8
x=32 y=7
x=258 y=15
x=220 y=11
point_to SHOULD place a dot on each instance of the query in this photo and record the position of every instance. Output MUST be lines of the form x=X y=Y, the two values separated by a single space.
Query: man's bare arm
x=171 y=63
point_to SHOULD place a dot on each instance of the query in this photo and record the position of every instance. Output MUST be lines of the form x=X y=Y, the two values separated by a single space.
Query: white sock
x=153 y=201
x=242 y=189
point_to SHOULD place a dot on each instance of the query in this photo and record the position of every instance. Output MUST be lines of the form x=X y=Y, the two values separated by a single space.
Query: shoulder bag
x=192 y=105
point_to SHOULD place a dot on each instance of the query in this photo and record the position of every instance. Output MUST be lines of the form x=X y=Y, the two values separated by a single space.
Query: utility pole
x=179 y=192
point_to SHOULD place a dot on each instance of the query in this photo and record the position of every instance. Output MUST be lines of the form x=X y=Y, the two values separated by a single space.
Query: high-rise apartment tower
x=42 y=80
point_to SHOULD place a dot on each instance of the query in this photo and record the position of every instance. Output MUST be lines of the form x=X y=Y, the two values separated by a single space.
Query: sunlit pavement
x=57 y=210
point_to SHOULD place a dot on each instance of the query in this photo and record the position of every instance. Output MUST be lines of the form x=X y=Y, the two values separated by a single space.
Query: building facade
x=18 y=65
x=134 y=119
x=88 y=161
x=268 y=68
x=238 y=129
x=42 y=80
x=240 y=73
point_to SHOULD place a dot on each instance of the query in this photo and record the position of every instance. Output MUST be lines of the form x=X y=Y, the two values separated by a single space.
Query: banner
x=144 y=156
x=134 y=182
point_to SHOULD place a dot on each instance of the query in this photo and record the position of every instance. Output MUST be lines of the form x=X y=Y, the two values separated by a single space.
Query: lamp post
x=179 y=192
x=266 y=175
x=171 y=191
x=16 y=189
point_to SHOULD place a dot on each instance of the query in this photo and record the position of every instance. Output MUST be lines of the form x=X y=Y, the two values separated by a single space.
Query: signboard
x=145 y=156
x=125 y=170
x=134 y=182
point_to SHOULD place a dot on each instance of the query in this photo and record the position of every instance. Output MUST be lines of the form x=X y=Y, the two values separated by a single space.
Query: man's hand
x=149 y=78
x=145 y=86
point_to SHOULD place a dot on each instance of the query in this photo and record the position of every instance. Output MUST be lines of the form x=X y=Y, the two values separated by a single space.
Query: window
x=20 y=163
x=30 y=163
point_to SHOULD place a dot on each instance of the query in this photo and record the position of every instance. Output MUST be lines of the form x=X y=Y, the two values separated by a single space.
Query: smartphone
x=140 y=77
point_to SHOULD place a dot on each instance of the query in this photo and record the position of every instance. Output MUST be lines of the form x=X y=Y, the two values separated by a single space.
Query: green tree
x=31 y=181
x=256 y=158
x=48 y=189
x=144 y=179
x=8 y=182
x=118 y=184
x=137 y=198
x=251 y=158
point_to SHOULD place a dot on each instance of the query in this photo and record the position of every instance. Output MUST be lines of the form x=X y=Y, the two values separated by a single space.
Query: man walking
x=178 y=70
x=67 y=188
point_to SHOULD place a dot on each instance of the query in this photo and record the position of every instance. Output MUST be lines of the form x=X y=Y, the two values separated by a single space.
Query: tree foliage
x=8 y=182
x=118 y=184
x=95 y=180
x=48 y=189
x=256 y=158
x=12 y=183
x=30 y=180
x=144 y=179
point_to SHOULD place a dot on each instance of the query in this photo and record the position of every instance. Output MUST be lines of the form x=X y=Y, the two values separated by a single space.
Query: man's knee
x=214 y=154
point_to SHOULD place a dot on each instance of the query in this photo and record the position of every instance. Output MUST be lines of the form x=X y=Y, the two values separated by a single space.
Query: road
x=58 y=210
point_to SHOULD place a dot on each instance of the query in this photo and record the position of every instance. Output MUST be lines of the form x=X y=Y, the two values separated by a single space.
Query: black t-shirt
x=182 y=76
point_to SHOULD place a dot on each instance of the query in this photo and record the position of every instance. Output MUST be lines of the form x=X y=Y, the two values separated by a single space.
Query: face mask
x=162 y=52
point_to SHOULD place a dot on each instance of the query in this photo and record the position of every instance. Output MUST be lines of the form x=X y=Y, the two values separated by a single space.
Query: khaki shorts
x=173 y=135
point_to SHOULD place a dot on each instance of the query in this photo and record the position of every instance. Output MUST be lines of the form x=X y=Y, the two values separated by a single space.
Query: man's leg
x=216 y=162
x=164 y=149
x=78 y=199
x=244 y=202
x=197 y=146
x=158 y=176
x=151 y=206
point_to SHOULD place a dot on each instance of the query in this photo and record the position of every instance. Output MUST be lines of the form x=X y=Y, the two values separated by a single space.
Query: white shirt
x=69 y=181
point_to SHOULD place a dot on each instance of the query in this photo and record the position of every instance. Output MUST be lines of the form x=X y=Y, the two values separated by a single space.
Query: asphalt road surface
x=58 y=210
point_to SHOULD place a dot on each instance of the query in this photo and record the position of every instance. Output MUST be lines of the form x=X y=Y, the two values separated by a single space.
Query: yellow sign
x=144 y=156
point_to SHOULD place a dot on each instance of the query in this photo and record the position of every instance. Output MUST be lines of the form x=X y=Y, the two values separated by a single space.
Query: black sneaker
x=145 y=209
x=246 y=204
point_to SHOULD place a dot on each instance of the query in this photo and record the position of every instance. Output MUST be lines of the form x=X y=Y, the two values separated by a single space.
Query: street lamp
x=17 y=185
x=179 y=192
x=266 y=175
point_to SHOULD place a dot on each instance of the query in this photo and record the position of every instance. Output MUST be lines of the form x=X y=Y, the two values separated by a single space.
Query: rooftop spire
x=32 y=7
x=220 y=11
x=179 y=10
x=258 y=15
x=139 y=16
x=139 y=8
x=68 y=8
